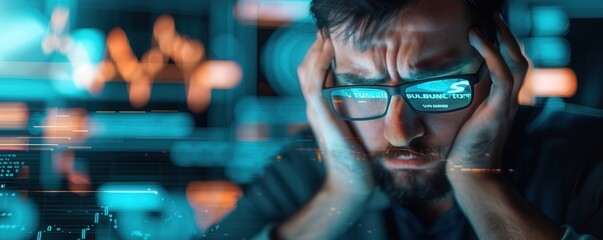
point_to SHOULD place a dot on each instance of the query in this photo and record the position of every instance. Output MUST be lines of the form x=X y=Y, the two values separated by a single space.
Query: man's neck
x=429 y=212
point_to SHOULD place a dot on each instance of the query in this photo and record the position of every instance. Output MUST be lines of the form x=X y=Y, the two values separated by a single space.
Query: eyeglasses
x=434 y=95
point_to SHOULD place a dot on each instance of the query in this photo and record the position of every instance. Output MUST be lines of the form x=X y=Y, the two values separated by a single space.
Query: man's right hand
x=347 y=163
x=348 y=183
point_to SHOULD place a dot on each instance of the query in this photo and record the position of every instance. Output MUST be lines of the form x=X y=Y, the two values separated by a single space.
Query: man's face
x=426 y=39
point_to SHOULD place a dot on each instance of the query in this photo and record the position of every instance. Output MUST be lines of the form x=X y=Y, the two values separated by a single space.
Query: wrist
x=348 y=190
x=479 y=167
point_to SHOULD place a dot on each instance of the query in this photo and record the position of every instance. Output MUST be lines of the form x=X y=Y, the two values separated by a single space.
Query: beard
x=411 y=186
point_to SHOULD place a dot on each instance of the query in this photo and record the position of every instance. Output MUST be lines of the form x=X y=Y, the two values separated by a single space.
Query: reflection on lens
x=359 y=102
x=440 y=95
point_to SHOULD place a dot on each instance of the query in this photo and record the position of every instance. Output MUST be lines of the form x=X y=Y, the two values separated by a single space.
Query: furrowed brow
x=353 y=79
x=448 y=68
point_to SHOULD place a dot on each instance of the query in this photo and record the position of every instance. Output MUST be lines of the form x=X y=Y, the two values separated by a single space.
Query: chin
x=412 y=185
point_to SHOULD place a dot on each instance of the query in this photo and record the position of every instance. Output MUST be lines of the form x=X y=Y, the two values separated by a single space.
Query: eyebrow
x=419 y=74
x=438 y=70
x=354 y=79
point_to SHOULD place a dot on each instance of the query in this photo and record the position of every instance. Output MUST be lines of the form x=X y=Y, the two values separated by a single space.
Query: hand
x=347 y=164
x=494 y=209
x=348 y=183
x=479 y=143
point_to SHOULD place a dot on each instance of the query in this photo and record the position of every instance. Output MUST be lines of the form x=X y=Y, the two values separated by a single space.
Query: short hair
x=368 y=17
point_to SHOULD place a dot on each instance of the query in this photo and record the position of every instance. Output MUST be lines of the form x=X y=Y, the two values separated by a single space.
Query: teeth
x=406 y=157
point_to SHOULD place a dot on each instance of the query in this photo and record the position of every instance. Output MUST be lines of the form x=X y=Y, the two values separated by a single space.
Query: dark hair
x=368 y=17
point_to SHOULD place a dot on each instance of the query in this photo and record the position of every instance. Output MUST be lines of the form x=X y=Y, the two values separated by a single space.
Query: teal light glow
x=201 y=153
x=548 y=51
x=250 y=159
x=269 y=110
x=173 y=220
x=284 y=51
x=23 y=218
x=549 y=21
x=88 y=50
x=20 y=29
x=26 y=89
x=93 y=41
x=130 y=196
x=139 y=125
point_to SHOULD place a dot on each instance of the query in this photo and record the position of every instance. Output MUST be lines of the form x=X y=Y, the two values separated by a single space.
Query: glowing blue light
x=271 y=110
x=23 y=219
x=21 y=29
x=175 y=220
x=548 y=51
x=93 y=41
x=284 y=51
x=62 y=81
x=140 y=125
x=26 y=89
x=549 y=21
x=250 y=159
x=130 y=196
x=201 y=153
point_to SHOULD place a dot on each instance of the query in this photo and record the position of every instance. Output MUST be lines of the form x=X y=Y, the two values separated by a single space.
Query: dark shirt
x=451 y=225
x=555 y=153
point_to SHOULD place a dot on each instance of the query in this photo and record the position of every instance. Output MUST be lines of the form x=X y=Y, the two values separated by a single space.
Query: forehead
x=424 y=33
x=424 y=16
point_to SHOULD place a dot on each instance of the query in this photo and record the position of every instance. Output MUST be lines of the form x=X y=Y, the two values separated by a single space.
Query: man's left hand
x=495 y=210
x=479 y=143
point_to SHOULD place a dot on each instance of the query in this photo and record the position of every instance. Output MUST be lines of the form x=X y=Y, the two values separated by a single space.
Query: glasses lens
x=358 y=103
x=440 y=95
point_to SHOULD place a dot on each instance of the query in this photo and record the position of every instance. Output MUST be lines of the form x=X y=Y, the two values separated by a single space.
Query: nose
x=402 y=124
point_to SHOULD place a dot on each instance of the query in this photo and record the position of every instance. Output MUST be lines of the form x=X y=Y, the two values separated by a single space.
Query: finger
x=502 y=79
x=509 y=42
x=311 y=54
x=323 y=62
x=323 y=115
x=517 y=62
x=316 y=74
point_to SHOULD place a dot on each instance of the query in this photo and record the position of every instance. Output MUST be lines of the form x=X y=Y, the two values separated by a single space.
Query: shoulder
x=557 y=138
x=556 y=128
x=285 y=186
x=300 y=156
x=555 y=151
x=294 y=175
x=558 y=119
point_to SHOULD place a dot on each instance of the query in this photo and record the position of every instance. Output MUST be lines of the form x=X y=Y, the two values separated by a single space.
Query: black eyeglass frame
x=399 y=90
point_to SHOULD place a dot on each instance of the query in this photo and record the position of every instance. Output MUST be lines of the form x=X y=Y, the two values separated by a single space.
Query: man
x=413 y=107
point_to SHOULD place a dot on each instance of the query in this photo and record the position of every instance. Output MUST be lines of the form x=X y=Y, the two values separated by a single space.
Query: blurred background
x=146 y=119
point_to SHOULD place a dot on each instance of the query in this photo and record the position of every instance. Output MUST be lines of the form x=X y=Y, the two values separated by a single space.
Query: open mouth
x=408 y=159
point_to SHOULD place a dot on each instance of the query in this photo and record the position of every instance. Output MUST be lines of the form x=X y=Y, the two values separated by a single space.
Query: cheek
x=371 y=134
x=441 y=129
x=481 y=89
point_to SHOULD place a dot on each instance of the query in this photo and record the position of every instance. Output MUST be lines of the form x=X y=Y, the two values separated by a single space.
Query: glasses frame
x=398 y=90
